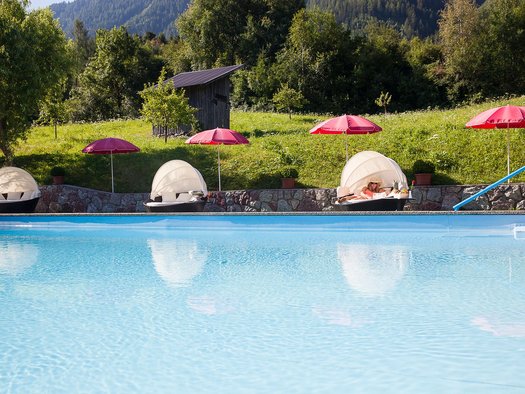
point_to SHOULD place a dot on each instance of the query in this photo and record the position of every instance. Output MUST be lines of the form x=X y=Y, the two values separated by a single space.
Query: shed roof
x=202 y=77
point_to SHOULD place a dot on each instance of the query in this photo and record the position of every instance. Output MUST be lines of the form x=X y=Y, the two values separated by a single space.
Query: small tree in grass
x=288 y=98
x=165 y=106
x=383 y=100
x=53 y=108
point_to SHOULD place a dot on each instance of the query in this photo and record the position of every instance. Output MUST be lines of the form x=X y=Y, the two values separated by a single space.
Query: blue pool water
x=262 y=304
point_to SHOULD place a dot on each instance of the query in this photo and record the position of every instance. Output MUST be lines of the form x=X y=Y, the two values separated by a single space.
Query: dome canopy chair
x=177 y=187
x=19 y=192
x=370 y=166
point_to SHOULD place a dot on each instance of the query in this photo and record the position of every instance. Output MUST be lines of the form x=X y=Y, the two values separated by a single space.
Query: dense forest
x=411 y=17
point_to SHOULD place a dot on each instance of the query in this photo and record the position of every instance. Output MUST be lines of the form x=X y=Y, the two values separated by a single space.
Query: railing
x=488 y=188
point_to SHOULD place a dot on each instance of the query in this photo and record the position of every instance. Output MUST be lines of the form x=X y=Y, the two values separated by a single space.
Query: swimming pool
x=262 y=303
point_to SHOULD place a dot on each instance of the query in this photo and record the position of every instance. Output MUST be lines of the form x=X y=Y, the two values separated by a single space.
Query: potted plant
x=423 y=170
x=58 y=174
x=288 y=176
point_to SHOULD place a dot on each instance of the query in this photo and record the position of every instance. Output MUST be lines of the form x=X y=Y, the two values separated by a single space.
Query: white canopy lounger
x=19 y=192
x=365 y=167
x=177 y=187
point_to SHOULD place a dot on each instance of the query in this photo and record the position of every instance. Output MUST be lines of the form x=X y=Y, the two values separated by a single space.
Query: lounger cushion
x=14 y=196
x=183 y=197
x=169 y=196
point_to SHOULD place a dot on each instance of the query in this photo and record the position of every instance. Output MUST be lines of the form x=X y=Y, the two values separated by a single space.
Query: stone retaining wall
x=66 y=198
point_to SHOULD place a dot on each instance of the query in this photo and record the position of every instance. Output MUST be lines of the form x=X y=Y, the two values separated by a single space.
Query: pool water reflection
x=269 y=310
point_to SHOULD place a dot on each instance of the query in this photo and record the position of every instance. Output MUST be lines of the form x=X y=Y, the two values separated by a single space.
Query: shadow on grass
x=134 y=172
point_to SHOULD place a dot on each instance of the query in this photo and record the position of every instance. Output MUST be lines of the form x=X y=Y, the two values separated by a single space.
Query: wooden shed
x=209 y=92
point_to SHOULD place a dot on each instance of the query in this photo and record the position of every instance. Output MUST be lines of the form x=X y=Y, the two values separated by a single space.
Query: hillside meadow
x=461 y=156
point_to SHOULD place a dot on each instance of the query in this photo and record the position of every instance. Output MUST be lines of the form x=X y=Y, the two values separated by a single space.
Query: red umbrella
x=110 y=145
x=346 y=124
x=218 y=137
x=509 y=116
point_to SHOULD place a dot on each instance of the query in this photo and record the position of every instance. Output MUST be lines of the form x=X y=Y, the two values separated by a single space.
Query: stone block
x=449 y=200
x=513 y=192
x=283 y=206
x=481 y=203
x=266 y=196
x=116 y=199
x=234 y=208
x=502 y=204
x=256 y=205
x=430 y=206
x=298 y=194
x=417 y=195
x=265 y=207
x=434 y=194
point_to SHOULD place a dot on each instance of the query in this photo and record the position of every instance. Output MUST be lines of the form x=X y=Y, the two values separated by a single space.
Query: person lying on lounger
x=373 y=187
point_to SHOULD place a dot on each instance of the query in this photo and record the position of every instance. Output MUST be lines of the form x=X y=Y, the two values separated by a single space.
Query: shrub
x=58 y=171
x=423 y=167
x=289 y=172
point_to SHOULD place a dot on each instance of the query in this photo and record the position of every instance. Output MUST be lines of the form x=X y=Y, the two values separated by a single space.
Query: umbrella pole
x=112 y=184
x=219 y=163
x=346 y=145
x=508 y=153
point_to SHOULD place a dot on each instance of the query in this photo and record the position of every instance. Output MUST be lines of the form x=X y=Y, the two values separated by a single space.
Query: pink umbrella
x=218 y=137
x=346 y=124
x=110 y=145
x=509 y=116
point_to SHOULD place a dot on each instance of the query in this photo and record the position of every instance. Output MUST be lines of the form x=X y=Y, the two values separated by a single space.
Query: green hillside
x=139 y=16
x=462 y=156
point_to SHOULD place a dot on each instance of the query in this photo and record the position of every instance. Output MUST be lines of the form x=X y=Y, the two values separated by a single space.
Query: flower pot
x=287 y=183
x=423 y=179
x=58 y=179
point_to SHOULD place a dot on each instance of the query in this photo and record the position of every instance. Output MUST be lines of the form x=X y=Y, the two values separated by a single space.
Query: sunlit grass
x=462 y=156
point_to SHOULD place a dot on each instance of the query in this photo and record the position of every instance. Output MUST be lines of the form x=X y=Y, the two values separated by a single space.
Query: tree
x=53 y=108
x=83 y=45
x=459 y=28
x=288 y=98
x=500 y=46
x=383 y=100
x=388 y=63
x=33 y=59
x=108 y=87
x=166 y=107
x=225 y=32
x=317 y=60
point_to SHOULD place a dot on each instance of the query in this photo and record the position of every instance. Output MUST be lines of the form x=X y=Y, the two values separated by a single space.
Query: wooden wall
x=213 y=104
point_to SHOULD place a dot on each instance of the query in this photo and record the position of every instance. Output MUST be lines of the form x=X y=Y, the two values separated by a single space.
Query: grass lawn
x=461 y=156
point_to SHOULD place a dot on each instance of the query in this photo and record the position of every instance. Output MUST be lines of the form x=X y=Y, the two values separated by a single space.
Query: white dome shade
x=367 y=166
x=372 y=270
x=177 y=261
x=16 y=180
x=177 y=176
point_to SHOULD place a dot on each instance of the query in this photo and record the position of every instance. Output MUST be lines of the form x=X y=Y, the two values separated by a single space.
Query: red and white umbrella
x=507 y=117
x=218 y=137
x=346 y=124
x=111 y=146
